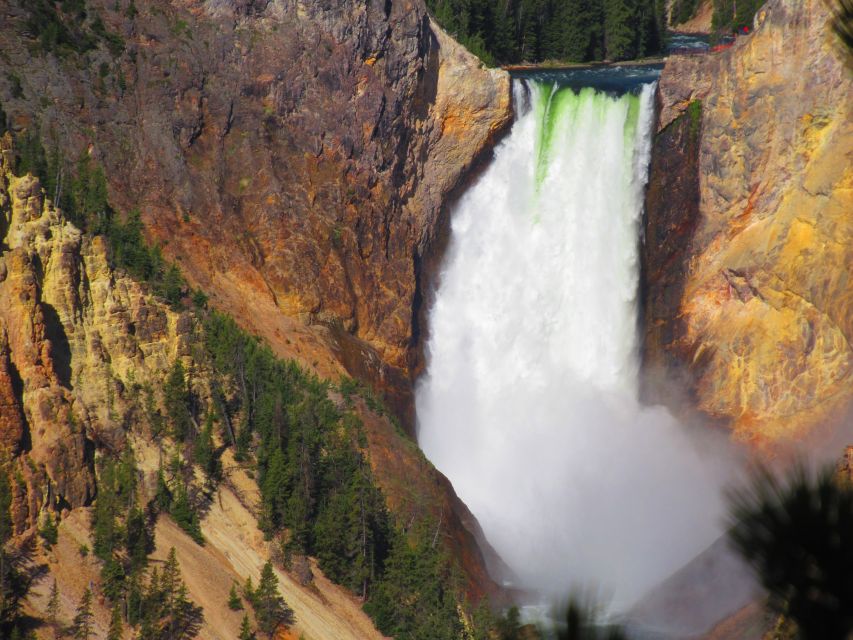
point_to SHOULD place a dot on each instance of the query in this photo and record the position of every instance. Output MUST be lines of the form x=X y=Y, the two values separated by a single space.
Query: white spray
x=529 y=403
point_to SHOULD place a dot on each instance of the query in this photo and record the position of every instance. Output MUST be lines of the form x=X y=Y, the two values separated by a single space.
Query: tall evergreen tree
x=176 y=400
x=84 y=618
x=234 y=602
x=246 y=632
x=116 y=629
x=53 y=607
x=271 y=611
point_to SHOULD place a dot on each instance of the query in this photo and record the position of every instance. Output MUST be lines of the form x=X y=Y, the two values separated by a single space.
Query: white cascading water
x=529 y=402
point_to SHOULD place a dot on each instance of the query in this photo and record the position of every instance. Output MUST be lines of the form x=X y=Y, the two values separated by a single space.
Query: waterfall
x=529 y=401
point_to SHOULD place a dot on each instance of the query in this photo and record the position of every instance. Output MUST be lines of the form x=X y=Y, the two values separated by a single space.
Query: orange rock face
x=760 y=294
x=294 y=162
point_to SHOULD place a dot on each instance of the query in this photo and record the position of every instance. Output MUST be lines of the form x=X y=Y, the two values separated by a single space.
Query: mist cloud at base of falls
x=529 y=402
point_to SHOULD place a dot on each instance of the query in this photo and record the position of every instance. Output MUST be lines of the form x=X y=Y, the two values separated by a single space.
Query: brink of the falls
x=529 y=401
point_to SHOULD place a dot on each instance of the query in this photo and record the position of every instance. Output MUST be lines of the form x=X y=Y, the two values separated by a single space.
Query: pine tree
x=171 y=577
x=275 y=488
x=6 y=525
x=794 y=532
x=249 y=591
x=53 y=605
x=173 y=286
x=176 y=400
x=91 y=211
x=619 y=34
x=246 y=632
x=116 y=627
x=234 y=602
x=49 y=532
x=84 y=618
x=204 y=451
x=112 y=579
x=139 y=539
x=271 y=611
x=184 y=515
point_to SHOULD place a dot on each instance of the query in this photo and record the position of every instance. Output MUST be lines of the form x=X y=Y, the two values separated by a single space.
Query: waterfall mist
x=529 y=401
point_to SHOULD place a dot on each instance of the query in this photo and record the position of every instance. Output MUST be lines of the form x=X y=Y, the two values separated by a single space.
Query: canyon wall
x=84 y=351
x=749 y=229
x=293 y=156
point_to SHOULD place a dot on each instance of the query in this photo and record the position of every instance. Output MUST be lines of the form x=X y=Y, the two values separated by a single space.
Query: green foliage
x=508 y=31
x=246 y=632
x=234 y=601
x=163 y=609
x=352 y=529
x=6 y=524
x=116 y=629
x=139 y=539
x=316 y=484
x=416 y=596
x=249 y=591
x=90 y=208
x=59 y=30
x=116 y=491
x=184 y=514
x=176 y=401
x=53 y=605
x=83 y=196
x=49 y=531
x=84 y=619
x=794 y=533
x=694 y=112
x=112 y=578
x=14 y=580
x=271 y=611
x=63 y=28
x=731 y=15
x=683 y=10
x=204 y=452
x=31 y=157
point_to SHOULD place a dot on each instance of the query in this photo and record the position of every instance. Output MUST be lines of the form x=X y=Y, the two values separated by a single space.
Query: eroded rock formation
x=293 y=156
x=749 y=237
x=73 y=338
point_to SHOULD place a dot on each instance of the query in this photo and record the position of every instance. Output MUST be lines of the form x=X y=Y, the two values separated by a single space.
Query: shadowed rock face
x=750 y=291
x=294 y=157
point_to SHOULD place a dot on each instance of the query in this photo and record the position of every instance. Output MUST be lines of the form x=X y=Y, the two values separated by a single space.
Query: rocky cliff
x=74 y=336
x=84 y=350
x=749 y=233
x=293 y=156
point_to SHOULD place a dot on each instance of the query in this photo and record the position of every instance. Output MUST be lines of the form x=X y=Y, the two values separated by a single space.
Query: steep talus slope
x=294 y=156
x=747 y=283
